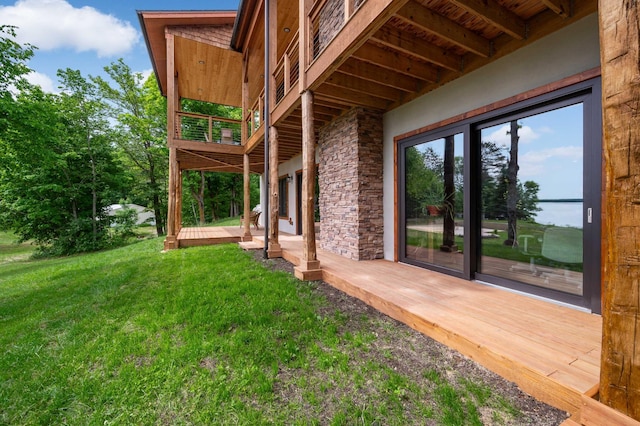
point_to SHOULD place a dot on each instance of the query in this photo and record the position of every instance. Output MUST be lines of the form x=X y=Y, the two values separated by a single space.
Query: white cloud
x=535 y=163
x=42 y=80
x=145 y=74
x=501 y=137
x=54 y=24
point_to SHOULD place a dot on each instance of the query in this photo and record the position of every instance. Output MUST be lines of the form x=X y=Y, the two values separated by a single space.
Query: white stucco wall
x=565 y=53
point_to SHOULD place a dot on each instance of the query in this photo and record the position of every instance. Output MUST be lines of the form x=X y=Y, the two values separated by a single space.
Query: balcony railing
x=286 y=73
x=253 y=117
x=206 y=128
x=326 y=18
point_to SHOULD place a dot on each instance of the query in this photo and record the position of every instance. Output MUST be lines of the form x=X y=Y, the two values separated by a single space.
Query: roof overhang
x=203 y=68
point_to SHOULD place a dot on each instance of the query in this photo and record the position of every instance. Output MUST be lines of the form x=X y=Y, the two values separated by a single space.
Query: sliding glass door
x=532 y=199
x=510 y=197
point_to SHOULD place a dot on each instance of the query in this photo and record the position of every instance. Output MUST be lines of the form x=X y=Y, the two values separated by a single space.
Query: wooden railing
x=286 y=73
x=253 y=117
x=207 y=128
x=326 y=19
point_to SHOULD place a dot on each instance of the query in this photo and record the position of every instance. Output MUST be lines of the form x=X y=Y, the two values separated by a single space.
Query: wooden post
x=274 y=244
x=246 y=165
x=247 y=199
x=619 y=53
x=171 y=240
x=178 y=214
x=309 y=267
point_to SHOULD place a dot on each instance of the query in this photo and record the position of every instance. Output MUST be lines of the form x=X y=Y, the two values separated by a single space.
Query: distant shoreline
x=561 y=200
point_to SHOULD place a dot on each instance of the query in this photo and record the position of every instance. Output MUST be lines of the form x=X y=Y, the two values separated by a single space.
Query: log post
x=246 y=224
x=178 y=200
x=171 y=240
x=619 y=53
x=274 y=244
x=309 y=267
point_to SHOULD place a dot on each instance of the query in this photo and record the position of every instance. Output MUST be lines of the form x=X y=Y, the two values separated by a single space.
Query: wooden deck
x=551 y=351
x=205 y=236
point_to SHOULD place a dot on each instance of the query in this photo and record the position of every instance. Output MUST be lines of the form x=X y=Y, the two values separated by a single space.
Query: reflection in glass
x=434 y=202
x=532 y=200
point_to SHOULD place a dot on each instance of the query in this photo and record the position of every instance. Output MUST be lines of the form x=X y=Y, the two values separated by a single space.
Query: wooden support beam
x=351 y=97
x=396 y=40
x=274 y=249
x=380 y=75
x=426 y=20
x=396 y=62
x=496 y=15
x=561 y=7
x=363 y=86
x=246 y=211
x=620 y=55
x=171 y=240
x=309 y=267
x=178 y=214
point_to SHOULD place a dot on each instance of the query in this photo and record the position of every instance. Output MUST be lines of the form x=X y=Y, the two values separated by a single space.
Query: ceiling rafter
x=561 y=7
x=363 y=86
x=431 y=22
x=496 y=15
x=396 y=62
x=413 y=46
x=379 y=75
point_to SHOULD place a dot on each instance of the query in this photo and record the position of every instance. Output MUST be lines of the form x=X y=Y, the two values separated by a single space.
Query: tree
x=140 y=111
x=512 y=186
x=59 y=172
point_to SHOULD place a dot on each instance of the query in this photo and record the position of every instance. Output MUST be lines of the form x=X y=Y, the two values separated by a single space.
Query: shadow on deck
x=551 y=351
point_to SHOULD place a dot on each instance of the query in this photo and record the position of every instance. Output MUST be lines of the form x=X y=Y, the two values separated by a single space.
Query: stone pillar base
x=171 y=243
x=308 y=270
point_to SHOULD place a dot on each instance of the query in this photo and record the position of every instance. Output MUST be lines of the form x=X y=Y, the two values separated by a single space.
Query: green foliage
x=140 y=134
x=125 y=222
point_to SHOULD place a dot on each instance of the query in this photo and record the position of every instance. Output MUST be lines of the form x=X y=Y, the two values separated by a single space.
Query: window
x=510 y=197
x=283 y=196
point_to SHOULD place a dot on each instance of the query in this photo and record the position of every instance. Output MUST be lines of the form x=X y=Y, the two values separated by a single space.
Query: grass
x=11 y=250
x=204 y=335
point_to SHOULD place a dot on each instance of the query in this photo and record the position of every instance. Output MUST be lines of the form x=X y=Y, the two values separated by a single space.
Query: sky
x=88 y=35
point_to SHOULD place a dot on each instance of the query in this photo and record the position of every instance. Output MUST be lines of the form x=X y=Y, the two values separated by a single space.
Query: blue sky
x=88 y=34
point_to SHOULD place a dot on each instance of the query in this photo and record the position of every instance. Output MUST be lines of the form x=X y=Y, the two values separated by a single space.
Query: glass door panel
x=532 y=200
x=434 y=202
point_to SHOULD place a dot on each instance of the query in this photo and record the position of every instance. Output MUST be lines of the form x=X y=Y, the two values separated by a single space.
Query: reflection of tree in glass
x=424 y=184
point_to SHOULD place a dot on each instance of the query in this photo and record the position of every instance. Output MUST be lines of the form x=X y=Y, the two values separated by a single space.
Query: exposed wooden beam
x=431 y=22
x=351 y=97
x=561 y=7
x=395 y=61
x=619 y=52
x=237 y=166
x=496 y=15
x=363 y=86
x=219 y=148
x=395 y=39
x=380 y=75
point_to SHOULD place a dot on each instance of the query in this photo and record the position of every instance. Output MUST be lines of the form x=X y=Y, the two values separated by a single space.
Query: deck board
x=551 y=351
x=209 y=235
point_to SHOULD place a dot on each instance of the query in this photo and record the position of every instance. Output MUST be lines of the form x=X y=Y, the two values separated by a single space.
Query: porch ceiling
x=196 y=58
x=217 y=162
x=422 y=45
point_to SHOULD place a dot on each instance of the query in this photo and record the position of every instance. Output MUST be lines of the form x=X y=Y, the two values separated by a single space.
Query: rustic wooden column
x=246 y=235
x=274 y=244
x=178 y=201
x=309 y=267
x=619 y=53
x=171 y=241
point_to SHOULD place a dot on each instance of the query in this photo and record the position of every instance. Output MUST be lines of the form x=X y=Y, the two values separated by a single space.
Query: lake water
x=561 y=214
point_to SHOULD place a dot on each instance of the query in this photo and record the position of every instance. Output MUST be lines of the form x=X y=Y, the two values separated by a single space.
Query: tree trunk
x=512 y=187
x=157 y=210
x=620 y=56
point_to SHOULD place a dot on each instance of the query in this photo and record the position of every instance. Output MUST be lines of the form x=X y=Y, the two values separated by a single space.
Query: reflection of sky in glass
x=437 y=146
x=549 y=151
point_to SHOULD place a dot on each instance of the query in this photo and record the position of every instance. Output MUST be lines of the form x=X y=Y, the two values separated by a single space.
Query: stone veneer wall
x=350 y=178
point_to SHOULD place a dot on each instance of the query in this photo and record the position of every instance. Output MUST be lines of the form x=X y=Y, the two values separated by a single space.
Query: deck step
x=251 y=245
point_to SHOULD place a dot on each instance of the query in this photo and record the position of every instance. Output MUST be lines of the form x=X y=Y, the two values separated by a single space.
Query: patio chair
x=254 y=217
x=562 y=245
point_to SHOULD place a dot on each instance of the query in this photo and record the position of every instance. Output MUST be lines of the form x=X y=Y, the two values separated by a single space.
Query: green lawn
x=11 y=251
x=204 y=335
